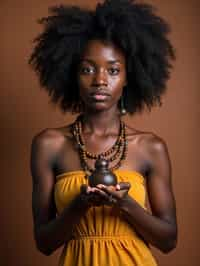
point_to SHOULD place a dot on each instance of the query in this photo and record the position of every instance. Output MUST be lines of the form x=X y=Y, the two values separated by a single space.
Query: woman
x=102 y=64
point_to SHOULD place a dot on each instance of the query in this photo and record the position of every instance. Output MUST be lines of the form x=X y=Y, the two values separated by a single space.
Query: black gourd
x=102 y=175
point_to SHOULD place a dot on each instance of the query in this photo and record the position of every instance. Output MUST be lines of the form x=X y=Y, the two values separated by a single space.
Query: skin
x=102 y=68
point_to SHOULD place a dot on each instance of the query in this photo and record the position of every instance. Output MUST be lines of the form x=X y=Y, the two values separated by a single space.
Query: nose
x=100 y=78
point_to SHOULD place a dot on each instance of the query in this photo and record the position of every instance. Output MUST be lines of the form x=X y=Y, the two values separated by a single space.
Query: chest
x=68 y=158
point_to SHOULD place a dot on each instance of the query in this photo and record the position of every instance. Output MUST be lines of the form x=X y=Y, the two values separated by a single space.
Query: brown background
x=25 y=110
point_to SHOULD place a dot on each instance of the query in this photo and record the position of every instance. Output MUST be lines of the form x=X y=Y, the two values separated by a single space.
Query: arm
x=160 y=227
x=50 y=232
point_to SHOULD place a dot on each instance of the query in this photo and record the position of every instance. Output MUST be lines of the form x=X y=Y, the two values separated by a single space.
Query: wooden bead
x=117 y=151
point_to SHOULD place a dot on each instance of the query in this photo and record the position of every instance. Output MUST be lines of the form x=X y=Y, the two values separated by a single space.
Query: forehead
x=98 y=50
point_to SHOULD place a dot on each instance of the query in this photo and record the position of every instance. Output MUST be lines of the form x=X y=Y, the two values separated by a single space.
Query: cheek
x=118 y=80
x=117 y=84
x=83 y=84
x=84 y=80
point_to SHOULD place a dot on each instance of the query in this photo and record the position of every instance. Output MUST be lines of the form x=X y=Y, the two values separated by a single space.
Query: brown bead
x=117 y=151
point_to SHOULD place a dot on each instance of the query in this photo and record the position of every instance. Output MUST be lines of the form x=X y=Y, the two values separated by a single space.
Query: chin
x=98 y=106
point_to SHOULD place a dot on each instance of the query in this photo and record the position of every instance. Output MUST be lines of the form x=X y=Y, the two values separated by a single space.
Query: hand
x=92 y=196
x=113 y=195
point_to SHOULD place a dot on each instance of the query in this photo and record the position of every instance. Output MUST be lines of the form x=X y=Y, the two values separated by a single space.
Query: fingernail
x=118 y=187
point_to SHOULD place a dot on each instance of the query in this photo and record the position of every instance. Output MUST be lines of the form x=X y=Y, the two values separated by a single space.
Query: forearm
x=156 y=231
x=51 y=236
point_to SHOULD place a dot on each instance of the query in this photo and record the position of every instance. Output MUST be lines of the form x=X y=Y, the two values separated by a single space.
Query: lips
x=99 y=95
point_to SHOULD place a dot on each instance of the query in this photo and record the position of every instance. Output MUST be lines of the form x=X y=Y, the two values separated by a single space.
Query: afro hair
x=133 y=27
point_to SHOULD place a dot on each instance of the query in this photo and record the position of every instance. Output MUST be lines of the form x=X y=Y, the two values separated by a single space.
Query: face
x=101 y=75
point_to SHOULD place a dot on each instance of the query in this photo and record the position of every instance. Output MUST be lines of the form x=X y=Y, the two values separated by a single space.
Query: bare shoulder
x=45 y=148
x=48 y=138
x=149 y=149
x=52 y=137
x=148 y=142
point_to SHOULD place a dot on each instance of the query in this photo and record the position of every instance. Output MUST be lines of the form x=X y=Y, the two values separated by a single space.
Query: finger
x=90 y=189
x=114 y=194
x=117 y=194
x=118 y=187
x=124 y=185
x=102 y=194
x=85 y=189
x=96 y=191
x=100 y=186
x=106 y=189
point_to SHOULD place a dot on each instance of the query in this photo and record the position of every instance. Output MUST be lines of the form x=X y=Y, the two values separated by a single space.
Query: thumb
x=124 y=185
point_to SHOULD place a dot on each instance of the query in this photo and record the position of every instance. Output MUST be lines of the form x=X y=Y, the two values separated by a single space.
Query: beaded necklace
x=117 y=151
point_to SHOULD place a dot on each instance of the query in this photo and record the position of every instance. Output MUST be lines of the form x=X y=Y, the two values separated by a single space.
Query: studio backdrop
x=25 y=111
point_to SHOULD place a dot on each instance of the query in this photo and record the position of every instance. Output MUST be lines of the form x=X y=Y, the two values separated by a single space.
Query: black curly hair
x=133 y=27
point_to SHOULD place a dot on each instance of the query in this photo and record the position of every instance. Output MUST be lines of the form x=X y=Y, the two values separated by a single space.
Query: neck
x=101 y=123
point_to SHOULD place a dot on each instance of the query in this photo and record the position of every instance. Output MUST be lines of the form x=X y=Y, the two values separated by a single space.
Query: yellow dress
x=102 y=237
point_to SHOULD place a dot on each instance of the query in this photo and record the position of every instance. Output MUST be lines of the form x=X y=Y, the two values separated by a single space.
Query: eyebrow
x=109 y=61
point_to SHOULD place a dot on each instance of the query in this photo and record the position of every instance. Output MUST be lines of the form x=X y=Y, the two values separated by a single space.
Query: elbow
x=169 y=244
x=168 y=247
x=42 y=244
x=45 y=251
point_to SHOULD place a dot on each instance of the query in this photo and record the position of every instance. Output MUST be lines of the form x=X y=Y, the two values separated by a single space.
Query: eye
x=86 y=70
x=114 y=71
